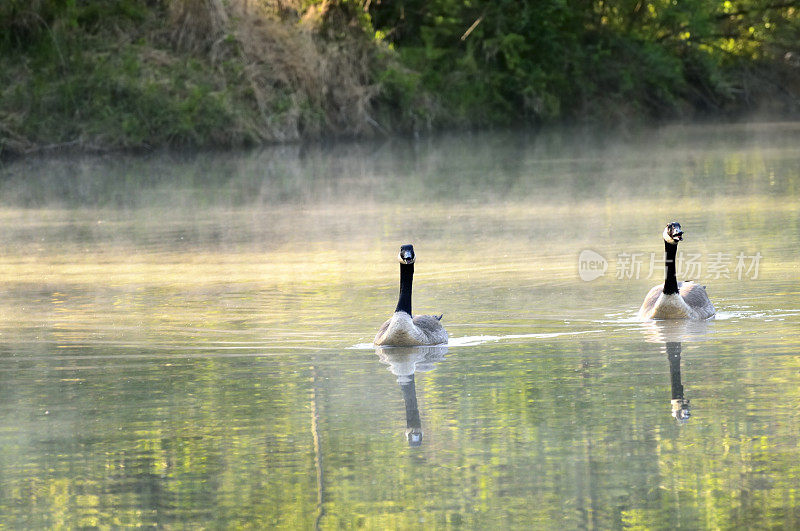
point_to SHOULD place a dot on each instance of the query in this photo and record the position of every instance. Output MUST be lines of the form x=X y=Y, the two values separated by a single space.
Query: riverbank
x=147 y=74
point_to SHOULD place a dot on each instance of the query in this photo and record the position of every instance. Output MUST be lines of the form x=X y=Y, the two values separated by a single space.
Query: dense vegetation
x=144 y=73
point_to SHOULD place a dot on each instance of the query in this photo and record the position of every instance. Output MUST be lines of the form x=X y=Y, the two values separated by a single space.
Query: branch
x=471 y=28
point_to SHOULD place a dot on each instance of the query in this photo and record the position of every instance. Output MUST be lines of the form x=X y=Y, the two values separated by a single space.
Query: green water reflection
x=580 y=433
x=184 y=341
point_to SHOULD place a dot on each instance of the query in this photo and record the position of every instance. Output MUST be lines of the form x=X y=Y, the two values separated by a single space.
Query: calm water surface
x=185 y=340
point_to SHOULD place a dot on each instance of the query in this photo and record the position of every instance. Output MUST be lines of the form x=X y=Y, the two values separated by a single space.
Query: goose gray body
x=401 y=329
x=691 y=302
x=673 y=299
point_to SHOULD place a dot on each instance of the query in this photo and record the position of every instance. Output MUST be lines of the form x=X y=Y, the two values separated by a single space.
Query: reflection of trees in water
x=316 y=437
x=530 y=434
x=403 y=362
x=195 y=442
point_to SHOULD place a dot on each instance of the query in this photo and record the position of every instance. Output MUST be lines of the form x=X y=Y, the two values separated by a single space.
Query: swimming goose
x=675 y=300
x=401 y=330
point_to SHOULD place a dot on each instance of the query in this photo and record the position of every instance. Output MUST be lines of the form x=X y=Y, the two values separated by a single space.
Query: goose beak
x=678 y=236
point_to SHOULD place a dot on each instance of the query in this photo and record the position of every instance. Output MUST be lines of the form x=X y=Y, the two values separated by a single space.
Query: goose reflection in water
x=672 y=334
x=403 y=362
x=680 y=405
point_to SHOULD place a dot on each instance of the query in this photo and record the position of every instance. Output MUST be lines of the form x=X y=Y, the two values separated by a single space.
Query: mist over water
x=185 y=339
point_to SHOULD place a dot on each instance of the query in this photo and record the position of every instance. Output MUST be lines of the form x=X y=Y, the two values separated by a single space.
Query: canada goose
x=401 y=330
x=675 y=300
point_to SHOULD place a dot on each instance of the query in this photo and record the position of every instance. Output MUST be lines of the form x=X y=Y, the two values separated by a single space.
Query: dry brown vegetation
x=188 y=72
x=321 y=88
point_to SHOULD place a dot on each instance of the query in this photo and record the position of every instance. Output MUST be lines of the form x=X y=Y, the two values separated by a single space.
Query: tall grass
x=140 y=74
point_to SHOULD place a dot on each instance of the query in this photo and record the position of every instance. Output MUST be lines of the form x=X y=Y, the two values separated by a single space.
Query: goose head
x=406 y=255
x=673 y=233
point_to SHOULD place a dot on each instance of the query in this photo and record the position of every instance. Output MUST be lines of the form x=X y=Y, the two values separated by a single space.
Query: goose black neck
x=671 y=282
x=406 y=278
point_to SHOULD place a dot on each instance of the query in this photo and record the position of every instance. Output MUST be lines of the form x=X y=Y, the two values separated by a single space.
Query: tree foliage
x=590 y=59
x=139 y=73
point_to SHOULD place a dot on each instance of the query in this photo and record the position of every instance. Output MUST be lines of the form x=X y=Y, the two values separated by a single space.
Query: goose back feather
x=401 y=330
